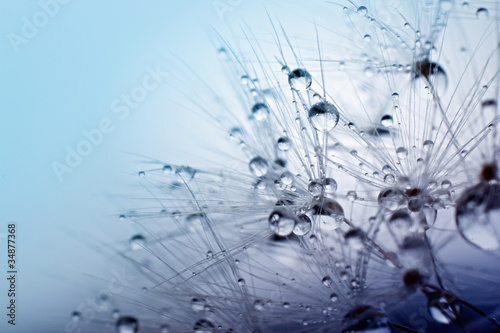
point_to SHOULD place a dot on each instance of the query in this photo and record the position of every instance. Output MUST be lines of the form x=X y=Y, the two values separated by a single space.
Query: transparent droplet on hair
x=482 y=13
x=137 y=242
x=197 y=304
x=300 y=79
x=362 y=10
x=127 y=324
x=440 y=308
x=260 y=111
x=334 y=297
x=391 y=198
x=402 y=153
x=327 y=281
x=355 y=238
x=327 y=213
x=387 y=121
x=167 y=169
x=258 y=166
x=428 y=144
x=76 y=316
x=324 y=116
x=401 y=221
x=477 y=215
x=142 y=174
x=284 y=143
x=316 y=188
x=203 y=326
x=286 y=178
x=303 y=225
x=282 y=222
x=330 y=185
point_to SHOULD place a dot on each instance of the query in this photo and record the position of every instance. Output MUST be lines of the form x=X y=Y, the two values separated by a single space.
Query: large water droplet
x=258 y=166
x=482 y=13
x=299 y=79
x=364 y=319
x=328 y=213
x=327 y=281
x=478 y=214
x=443 y=310
x=303 y=225
x=282 y=222
x=330 y=185
x=402 y=153
x=127 y=324
x=362 y=10
x=391 y=198
x=324 y=116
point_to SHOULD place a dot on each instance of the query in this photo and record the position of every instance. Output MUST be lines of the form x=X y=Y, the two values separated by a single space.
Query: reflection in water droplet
x=299 y=79
x=282 y=222
x=258 y=166
x=324 y=116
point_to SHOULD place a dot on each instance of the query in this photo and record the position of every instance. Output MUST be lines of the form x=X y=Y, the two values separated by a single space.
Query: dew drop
x=142 y=174
x=258 y=166
x=391 y=198
x=330 y=185
x=284 y=143
x=76 y=316
x=127 y=324
x=299 y=79
x=282 y=222
x=389 y=179
x=402 y=153
x=316 y=188
x=260 y=111
x=327 y=213
x=285 y=70
x=355 y=238
x=387 y=121
x=167 y=169
x=367 y=38
x=362 y=10
x=197 y=304
x=327 y=281
x=303 y=225
x=203 y=326
x=428 y=144
x=324 y=116
x=137 y=242
x=477 y=214
x=286 y=178
x=241 y=282
x=334 y=297
x=482 y=13
x=442 y=309
x=164 y=329
x=401 y=221
x=351 y=196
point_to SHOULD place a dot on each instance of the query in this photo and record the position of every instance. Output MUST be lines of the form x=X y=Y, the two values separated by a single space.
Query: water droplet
x=303 y=225
x=365 y=318
x=258 y=166
x=284 y=143
x=391 y=198
x=260 y=111
x=330 y=185
x=428 y=144
x=389 y=179
x=387 y=121
x=210 y=255
x=324 y=116
x=316 y=188
x=355 y=238
x=327 y=213
x=286 y=178
x=387 y=169
x=446 y=184
x=402 y=153
x=204 y=326
x=482 y=13
x=401 y=221
x=415 y=204
x=362 y=10
x=198 y=304
x=433 y=75
x=367 y=38
x=258 y=305
x=443 y=310
x=285 y=70
x=477 y=214
x=167 y=169
x=164 y=329
x=327 y=281
x=142 y=174
x=137 y=242
x=334 y=297
x=76 y=316
x=351 y=196
x=241 y=282
x=299 y=79
x=185 y=172
x=282 y=222
x=127 y=324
